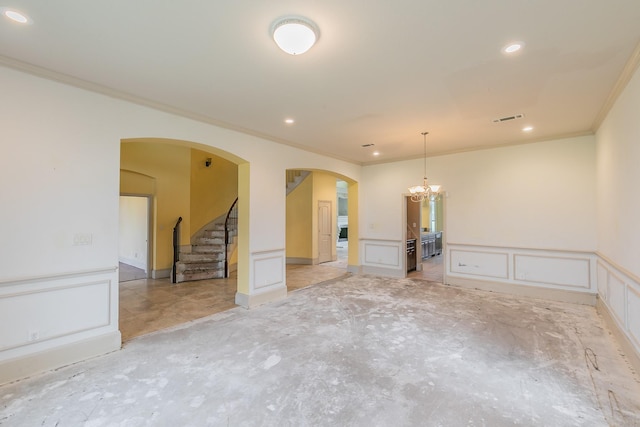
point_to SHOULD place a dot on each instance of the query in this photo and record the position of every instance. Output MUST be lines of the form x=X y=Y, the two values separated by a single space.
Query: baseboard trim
x=354 y=269
x=299 y=261
x=161 y=274
x=54 y=358
x=254 y=300
x=629 y=350
x=574 y=297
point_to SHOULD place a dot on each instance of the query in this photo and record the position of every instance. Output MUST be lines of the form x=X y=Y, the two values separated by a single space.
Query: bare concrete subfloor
x=360 y=351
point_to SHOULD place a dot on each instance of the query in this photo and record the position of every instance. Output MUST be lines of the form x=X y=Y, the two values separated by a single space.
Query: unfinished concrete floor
x=361 y=351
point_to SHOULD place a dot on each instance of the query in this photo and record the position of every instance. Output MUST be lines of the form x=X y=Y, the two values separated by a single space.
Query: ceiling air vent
x=368 y=145
x=508 y=118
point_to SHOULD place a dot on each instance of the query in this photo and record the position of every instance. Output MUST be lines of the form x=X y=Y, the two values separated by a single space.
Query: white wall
x=618 y=173
x=59 y=172
x=133 y=231
x=537 y=196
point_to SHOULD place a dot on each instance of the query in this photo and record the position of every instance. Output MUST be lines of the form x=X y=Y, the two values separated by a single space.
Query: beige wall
x=213 y=188
x=170 y=167
x=618 y=180
x=538 y=195
x=300 y=222
x=618 y=177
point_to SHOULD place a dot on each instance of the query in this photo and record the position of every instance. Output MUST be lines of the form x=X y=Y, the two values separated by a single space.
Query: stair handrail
x=176 y=243
x=229 y=221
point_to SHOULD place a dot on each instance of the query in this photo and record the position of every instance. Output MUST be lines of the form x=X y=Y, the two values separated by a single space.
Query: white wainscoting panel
x=555 y=270
x=479 y=263
x=56 y=320
x=266 y=279
x=382 y=253
x=633 y=316
x=617 y=298
x=619 y=293
x=53 y=312
x=602 y=278
x=268 y=269
x=565 y=275
x=383 y=257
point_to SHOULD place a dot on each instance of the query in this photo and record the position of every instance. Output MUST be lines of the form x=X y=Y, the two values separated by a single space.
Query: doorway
x=325 y=224
x=133 y=243
x=425 y=223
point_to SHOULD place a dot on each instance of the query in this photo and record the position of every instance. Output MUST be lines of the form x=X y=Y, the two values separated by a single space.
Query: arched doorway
x=321 y=217
x=185 y=180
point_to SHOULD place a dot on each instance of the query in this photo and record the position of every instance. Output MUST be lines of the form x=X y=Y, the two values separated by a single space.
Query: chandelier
x=424 y=191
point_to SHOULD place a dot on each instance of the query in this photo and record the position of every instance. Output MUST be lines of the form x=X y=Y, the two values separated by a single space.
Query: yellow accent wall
x=213 y=188
x=302 y=216
x=136 y=183
x=299 y=221
x=170 y=167
x=324 y=188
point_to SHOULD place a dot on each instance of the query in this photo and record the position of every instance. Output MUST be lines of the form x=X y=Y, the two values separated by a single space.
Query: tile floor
x=149 y=305
x=432 y=270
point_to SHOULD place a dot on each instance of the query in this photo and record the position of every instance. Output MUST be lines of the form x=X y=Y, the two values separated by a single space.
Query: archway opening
x=199 y=184
x=321 y=222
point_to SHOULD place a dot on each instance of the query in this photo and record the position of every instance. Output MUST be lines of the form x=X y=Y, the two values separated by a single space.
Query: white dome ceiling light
x=295 y=35
x=15 y=16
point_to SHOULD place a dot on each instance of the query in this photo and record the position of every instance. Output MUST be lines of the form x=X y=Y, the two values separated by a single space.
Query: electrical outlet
x=80 y=239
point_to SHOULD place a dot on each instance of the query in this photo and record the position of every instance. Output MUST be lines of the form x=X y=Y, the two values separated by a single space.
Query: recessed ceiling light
x=289 y=121
x=376 y=153
x=527 y=129
x=513 y=47
x=294 y=35
x=15 y=16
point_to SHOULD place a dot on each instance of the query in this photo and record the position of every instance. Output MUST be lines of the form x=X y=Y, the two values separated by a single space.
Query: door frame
x=332 y=243
x=149 y=197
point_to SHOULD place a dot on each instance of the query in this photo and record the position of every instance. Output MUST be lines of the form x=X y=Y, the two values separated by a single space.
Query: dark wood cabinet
x=411 y=255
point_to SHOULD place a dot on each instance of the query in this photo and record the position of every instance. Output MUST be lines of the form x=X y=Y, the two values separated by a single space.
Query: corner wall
x=61 y=239
x=618 y=145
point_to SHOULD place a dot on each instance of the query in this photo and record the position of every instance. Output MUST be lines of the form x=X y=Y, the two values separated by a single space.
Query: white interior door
x=325 y=223
x=134 y=229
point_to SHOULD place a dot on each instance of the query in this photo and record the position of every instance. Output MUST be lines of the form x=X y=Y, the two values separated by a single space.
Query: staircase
x=294 y=178
x=208 y=255
x=206 y=259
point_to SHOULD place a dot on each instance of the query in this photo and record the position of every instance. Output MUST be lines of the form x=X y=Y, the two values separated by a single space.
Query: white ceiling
x=381 y=73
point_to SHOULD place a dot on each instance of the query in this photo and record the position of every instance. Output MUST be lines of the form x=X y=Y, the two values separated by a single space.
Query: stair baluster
x=176 y=246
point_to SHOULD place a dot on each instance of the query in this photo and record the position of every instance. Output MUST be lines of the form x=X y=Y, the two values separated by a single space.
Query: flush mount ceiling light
x=513 y=47
x=15 y=16
x=294 y=35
